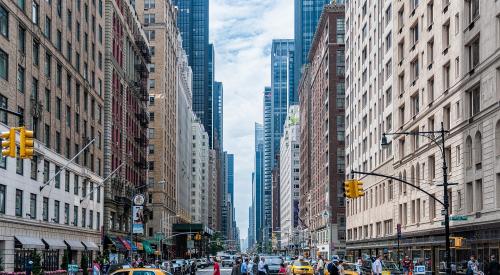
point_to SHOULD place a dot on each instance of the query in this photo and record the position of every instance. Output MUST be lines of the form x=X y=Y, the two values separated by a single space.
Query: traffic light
x=456 y=241
x=349 y=191
x=197 y=237
x=358 y=188
x=9 y=143
x=26 y=143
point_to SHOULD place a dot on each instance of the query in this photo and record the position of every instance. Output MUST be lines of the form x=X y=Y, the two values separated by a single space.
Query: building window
x=151 y=116
x=34 y=168
x=473 y=50
x=66 y=213
x=48 y=27
x=19 y=203
x=430 y=91
x=4 y=65
x=149 y=4
x=56 y=212
x=67 y=175
x=446 y=77
x=415 y=71
x=430 y=13
x=19 y=165
x=478 y=150
x=415 y=104
x=91 y=219
x=149 y=18
x=22 y=40
x=472 y=9
x=45 y=209
x=473 y=100
x=478 y=195
x=4 y=22
x=446 y=37
x=48 y=65
x=20 y=79
x=33 y=206
x=84 y=217
x=75 y=215
x=430 y=53
x=3 y=198
x=415 y=34
x=151 y=34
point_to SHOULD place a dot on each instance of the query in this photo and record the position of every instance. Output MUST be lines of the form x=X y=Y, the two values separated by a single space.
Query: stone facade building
x=52 y=72
x=444 y=59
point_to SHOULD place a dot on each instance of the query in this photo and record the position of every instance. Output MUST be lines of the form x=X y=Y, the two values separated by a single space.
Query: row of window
x=372 y=230
x=88 y=219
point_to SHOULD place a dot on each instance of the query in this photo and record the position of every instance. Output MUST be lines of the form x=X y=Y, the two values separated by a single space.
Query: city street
x=209 y=270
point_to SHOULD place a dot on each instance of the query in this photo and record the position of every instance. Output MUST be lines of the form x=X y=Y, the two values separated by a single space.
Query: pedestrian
x=244 y=267
x=96 y=269
x=333 y=267
x=472 y=266
x=453 y=267
x=493 y=266
x=321 y=266
x=255 y=266
x=262 y=267
x=406 y=265
x=360 y=262
x=236 y=268
x=29 y=267
x=216 y=267
x=282 y=270
x=340 y=268
x=377 y=266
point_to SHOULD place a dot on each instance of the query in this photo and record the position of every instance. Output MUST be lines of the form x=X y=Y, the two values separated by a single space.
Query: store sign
x=419 y=269
x=138 y=219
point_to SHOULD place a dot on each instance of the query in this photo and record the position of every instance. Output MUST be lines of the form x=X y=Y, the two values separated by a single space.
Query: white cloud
x=242 y=32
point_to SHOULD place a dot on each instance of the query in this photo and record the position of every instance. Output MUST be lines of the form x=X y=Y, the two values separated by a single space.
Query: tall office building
x=159 y=21
x=193 y=23
x=230 y=176
x=282 y=86
x=289 y=178
x=199 y=174
x=251 y=224
x=324 y=200
x=218 y=115
x=306 y=18
x=258 y=183
x=265 y=227
x=54 y=76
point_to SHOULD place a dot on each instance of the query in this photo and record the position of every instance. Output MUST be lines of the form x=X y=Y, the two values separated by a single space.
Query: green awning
x=147 y=247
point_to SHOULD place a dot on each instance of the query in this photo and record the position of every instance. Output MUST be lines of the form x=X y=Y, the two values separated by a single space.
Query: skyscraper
x=218 y=110
x=307 y=14
x=230 y=177
x=267 y=168
x=258 y=181
x=193 y=21
x=276 y=102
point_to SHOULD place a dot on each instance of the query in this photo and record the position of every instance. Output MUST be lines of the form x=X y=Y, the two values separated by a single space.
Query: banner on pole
x=138 y=219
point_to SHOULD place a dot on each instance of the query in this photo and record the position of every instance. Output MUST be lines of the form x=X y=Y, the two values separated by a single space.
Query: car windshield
x=144 y=272
x=274 y=261
x=301 y=263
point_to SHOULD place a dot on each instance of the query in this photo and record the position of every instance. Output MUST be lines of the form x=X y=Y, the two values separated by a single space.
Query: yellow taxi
x=139 y=271
x=349 y=269
x=301 y=267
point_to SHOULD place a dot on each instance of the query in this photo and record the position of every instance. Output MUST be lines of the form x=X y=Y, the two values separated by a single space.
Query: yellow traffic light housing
x=349 y=191
x=456 y=242
x=26 y=143
x=197 y=237
x=9 y=143
x=358 y=187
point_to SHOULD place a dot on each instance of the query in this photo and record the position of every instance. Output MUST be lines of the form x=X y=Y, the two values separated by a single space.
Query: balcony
x=143 y=118
x=142 y=141
x=142 y=69
x=143 y=48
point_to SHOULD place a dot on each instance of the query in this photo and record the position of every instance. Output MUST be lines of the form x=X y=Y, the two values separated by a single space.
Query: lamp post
x=440 y=142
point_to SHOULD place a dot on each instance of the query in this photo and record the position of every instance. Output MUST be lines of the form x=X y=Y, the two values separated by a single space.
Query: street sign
x=458 y=218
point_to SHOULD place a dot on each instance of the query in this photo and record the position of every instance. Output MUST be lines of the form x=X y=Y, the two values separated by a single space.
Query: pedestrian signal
x=9 y=143
x=456 y=241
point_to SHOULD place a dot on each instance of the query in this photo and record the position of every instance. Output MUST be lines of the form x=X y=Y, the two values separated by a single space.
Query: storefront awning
x=75 y=245
x=125 y=243
x=30 y=242
x=89 y=245
x=148 y=248
x=55 y=243
x=117 y=243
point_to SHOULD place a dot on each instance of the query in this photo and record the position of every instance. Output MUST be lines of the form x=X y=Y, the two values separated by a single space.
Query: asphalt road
x=210 y=270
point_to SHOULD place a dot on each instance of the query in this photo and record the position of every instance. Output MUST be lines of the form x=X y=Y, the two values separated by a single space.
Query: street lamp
x=440 y=142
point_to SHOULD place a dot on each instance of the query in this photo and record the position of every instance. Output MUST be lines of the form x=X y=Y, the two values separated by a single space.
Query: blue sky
x=242 y=31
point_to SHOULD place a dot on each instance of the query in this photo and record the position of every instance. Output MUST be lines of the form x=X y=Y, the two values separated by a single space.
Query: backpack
x=332 y=269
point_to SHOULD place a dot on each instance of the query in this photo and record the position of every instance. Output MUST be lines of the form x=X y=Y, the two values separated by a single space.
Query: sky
x=242 y=32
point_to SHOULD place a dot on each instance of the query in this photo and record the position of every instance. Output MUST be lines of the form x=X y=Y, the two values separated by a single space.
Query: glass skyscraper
x=230 y=176
x=307 y=13
x=258 y=181
x=192 y=21
x=218 y=99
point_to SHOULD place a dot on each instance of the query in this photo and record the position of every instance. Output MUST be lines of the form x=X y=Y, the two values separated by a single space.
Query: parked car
x=273 y=264
x=184 y=264
x=352 y=269
x=227 y=262
x=202 y=263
